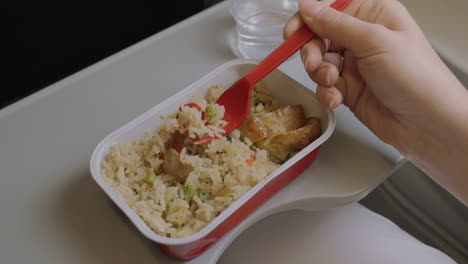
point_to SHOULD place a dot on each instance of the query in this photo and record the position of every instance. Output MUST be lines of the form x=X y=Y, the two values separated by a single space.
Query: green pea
x=204 y=195
x=210 y=111
x=189 y=192
x=150 y=177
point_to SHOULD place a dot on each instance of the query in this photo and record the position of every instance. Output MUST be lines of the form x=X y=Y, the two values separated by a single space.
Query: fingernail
x=331 y=99
x=309 y=7
x=328 y=78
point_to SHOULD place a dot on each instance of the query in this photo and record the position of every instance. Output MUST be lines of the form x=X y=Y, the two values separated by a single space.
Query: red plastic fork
x=236 y=99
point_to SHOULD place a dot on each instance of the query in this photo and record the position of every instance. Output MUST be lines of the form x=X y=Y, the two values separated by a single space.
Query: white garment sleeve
x=350 y=234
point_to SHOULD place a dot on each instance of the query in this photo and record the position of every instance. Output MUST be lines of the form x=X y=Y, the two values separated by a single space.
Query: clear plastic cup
x=260 y=23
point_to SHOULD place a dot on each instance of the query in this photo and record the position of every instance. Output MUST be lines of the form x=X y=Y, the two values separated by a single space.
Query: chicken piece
x=283 y=144
x=261 y=126
x=173 y=166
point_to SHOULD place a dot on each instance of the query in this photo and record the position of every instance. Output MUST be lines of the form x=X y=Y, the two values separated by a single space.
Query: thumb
x=342 y=29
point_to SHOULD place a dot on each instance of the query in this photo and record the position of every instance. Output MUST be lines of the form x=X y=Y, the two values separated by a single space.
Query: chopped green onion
x=150 y=177
x=242 y=138
x=189 y=192
x=229 y=138
x=210 y=111
x=204 y=195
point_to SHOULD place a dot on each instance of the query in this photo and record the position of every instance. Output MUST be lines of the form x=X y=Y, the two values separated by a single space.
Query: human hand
x=391 y=78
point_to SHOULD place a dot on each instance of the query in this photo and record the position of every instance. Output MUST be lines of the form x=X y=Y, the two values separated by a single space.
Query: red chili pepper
x=194 y=105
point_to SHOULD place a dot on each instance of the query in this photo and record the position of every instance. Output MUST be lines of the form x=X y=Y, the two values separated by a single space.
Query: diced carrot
x=251 y=160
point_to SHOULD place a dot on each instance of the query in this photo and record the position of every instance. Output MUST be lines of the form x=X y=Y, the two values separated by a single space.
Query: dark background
x=49 y=40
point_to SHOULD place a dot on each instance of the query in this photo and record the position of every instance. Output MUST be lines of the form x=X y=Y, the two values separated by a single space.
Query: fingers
x=333 y=58
x=327 y=74
x=340 y=28
x=329 y=96
x=294 y=23
x=331 y=89
x=312 y=54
